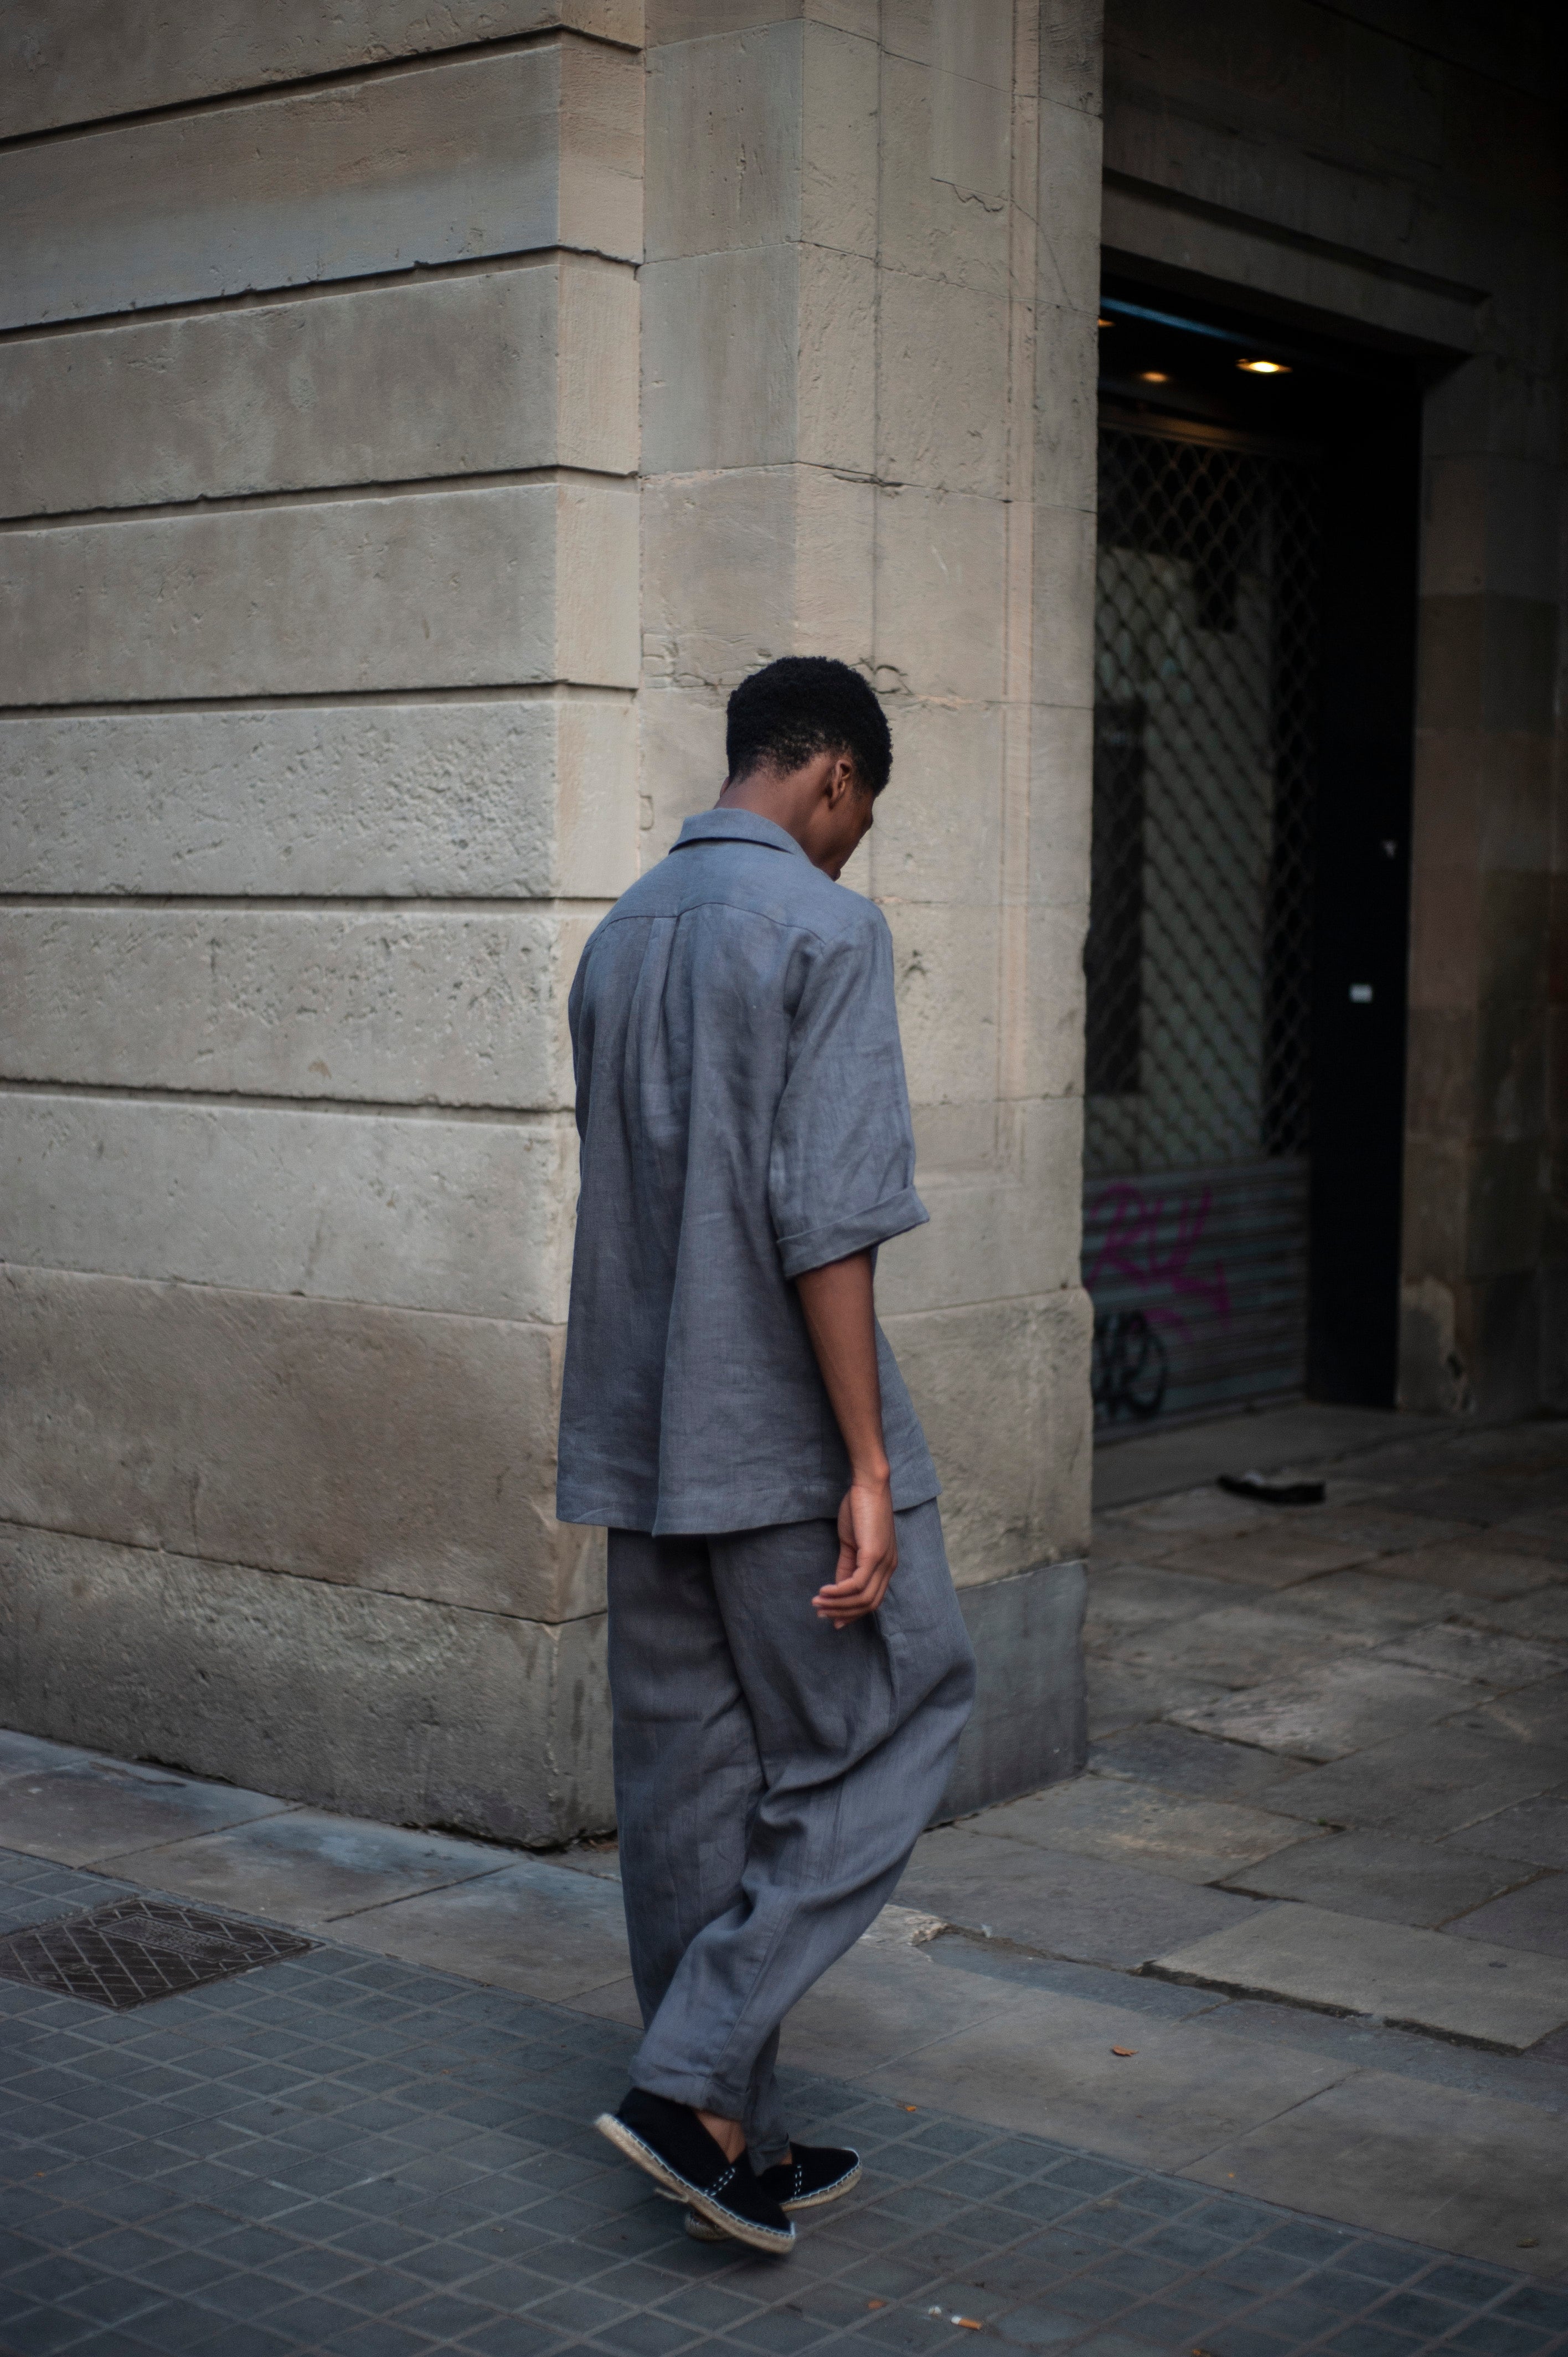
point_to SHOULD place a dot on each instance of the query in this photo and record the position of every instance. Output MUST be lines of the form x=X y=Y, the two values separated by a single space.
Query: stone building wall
x=349 y=671
x=318 y=370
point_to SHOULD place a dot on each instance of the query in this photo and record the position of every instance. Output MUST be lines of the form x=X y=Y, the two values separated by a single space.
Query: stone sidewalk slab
x=1240 y=1645
x=1410 y=2159
x=1437 y=1781
x=1094 y=1909
x=79 y=1809
x=530 y=1926
x=309 y=1867
x=1047 y=2064
x=1504 y=1663
x=1476 y=1567
x=1383 y=1877
x=1533 y=1831
x=1535 y=1917
x=1202 y=1765
x=1501 y=1997
x=1141 y=1825
x=1326 y=1712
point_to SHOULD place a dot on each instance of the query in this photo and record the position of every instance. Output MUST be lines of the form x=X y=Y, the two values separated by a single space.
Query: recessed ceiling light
x=1153 y=376
x=1264 y=368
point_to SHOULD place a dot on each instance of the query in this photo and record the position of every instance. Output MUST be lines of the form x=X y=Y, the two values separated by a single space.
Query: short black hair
x=802 y=705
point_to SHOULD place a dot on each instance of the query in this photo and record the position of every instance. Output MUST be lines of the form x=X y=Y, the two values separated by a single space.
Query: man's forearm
x=841 y=1319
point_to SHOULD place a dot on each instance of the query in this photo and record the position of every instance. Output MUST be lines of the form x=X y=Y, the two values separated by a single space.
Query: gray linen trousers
x=744 y=1118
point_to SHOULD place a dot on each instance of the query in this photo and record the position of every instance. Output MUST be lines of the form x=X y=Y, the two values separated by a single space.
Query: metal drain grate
x=136 y=1950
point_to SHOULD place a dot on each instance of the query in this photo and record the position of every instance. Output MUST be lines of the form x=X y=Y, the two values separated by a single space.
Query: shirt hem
x=710 y=1518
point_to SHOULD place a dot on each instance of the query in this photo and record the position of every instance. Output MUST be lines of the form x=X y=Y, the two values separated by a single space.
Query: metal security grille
x=1199 y=955
x=135 y=1950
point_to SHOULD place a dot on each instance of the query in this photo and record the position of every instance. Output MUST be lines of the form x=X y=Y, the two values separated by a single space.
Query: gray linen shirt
x=743 y=1116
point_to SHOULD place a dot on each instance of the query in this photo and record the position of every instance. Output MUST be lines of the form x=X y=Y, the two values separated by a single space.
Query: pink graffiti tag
x=1131 y=1247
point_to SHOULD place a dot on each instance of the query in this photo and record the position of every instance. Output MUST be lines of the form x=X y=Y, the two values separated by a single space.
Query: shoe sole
x=732 y=2227
x=702 y=2230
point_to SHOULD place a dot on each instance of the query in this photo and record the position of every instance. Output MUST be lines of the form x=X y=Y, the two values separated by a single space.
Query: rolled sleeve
x=857 y=1232
x=842 y=1167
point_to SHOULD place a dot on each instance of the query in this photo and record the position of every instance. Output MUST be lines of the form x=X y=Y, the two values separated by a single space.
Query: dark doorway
x=1246 y=953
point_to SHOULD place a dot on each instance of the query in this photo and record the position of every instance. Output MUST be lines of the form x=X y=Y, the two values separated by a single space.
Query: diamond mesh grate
x=1198 y=957
x=137 y=1950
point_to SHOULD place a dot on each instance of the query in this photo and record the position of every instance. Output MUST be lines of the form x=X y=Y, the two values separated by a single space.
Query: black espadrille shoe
x=813 y=2174
x=671 y=2144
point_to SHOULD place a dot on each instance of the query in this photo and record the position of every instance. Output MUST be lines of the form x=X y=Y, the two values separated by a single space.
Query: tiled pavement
x=1330 y=1771
x=350 y=2153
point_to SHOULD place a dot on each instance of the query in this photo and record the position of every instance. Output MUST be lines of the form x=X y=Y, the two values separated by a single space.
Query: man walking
x=790 y=1672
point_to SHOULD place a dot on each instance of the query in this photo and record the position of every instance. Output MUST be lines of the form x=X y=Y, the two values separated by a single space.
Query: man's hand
x=868 y=1555
x=842 y=1322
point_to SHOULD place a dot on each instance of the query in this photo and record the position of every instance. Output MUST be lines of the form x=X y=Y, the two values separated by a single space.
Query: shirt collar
x=736 y=826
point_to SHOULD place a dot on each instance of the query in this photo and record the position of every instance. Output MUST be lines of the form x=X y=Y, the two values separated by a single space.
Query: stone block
x=505 y=153
x=1489 y=524
x=941 y=593
x=1069 y=185
x=941 y=383
x=1002 y=1388
x=1064 y=606
x=946 y=174
x=1061 y=804
x=378 y=1704
x=682 y=760
x=471 y=588
x=411 y=1006
x=523 y=797
x=724 y=132
x=473 y=1217
x=1413 y=1979
x=1066 y=400
x=721 y=358
x=1030 y=1726
x=841 y=98
x=394 y=1450
x=974 y=40
x=945 y=972
x=740 y=566
x=1000 y=1183
x=938 y=835
x=93 y=59
x=520 y=367
x=757 y=356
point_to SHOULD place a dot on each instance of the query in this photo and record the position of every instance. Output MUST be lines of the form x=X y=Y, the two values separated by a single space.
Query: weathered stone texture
x=402 y=1007
x=466 y=589
x=481 y=156
x=527 y=367
x=531 y=797
x=1001 y=1388
x=472 y=1216
x=66 y=61
x=388 y=1449
x=382 y=1705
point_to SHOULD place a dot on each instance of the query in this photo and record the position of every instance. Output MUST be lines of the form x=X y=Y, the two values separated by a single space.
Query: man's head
x=808 y=747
